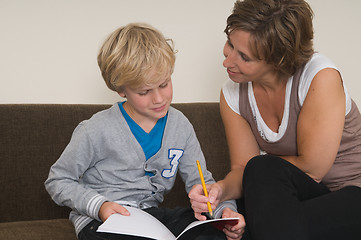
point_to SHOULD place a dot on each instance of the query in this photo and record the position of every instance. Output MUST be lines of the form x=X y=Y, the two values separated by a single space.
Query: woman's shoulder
x=230 y=92
x=317 y=62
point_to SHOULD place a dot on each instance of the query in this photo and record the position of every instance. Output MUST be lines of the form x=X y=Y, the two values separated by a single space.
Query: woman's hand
x=234 y=232
x=109 y=208
x=199 y=200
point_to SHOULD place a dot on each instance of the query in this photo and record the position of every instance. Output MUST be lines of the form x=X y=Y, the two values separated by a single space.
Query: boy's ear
x=122 y=94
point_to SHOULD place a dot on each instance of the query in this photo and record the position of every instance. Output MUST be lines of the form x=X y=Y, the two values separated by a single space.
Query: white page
x=139 y=223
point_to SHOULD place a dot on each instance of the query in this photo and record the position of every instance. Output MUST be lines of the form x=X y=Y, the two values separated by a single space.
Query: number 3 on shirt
x=174 y=155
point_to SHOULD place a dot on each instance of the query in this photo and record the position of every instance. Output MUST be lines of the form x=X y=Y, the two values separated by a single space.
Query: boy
x=130 y=153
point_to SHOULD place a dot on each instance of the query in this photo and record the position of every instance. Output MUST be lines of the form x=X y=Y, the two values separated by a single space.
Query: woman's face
x=239 y=61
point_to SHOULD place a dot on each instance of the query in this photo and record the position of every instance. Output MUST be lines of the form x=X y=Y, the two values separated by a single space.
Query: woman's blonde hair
x=281 y=31
x=135 y=55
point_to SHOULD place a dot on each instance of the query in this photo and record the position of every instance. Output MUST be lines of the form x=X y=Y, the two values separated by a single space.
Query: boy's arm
x=188 y=163
x=64 y=183
x=231 y=204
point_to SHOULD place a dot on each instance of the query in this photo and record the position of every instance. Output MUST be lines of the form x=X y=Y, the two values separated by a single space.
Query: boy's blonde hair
x=135 y=55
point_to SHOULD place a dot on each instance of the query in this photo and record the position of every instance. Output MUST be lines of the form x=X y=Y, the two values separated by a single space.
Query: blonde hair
x=281 y=31
x=135 y=55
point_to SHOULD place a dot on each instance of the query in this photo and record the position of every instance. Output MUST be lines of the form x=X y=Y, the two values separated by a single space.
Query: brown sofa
x=32 y=137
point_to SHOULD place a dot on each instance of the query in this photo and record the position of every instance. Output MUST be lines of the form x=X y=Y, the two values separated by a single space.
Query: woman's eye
x=244 y=57
x=230 y=44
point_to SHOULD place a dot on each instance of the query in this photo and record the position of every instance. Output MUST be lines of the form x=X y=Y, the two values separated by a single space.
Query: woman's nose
x=228 y=60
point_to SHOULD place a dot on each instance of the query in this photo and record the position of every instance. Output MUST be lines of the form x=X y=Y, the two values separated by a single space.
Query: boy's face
x=145 y=105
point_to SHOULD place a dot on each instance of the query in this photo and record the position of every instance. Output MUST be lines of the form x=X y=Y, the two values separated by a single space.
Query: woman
x=294 y=134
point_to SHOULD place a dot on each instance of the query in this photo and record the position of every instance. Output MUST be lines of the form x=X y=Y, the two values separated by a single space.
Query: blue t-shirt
x=150 y=142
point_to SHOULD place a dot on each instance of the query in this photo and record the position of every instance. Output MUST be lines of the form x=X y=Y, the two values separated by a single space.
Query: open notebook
x=142 y=224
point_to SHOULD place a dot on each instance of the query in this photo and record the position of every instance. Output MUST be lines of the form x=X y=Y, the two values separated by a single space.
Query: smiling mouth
x=231 y=72
x=159 y=109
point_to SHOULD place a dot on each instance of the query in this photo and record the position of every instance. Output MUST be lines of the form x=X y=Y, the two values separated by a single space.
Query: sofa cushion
x=55 y=229
x=32 y=138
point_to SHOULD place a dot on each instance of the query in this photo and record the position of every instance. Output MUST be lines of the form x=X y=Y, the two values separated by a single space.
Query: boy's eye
x=143 y=93
x=164 y=85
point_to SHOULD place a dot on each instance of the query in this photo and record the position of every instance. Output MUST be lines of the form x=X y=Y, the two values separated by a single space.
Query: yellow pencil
x=204 y=188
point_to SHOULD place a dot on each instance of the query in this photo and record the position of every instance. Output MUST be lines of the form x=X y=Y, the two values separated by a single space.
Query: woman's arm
x=242 y=147
x=320 y=125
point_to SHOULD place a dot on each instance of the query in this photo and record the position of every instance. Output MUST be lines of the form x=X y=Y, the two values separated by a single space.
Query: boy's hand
x=234 y=232
x=109 y=208
x=199 y=201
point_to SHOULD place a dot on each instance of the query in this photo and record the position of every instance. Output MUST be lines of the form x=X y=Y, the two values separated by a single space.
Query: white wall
x=48 y=48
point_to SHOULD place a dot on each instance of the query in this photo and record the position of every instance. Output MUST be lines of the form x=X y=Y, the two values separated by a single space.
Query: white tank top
x=318 y=62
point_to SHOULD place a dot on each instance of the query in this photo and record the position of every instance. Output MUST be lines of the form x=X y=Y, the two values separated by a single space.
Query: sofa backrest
x=32 y=137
